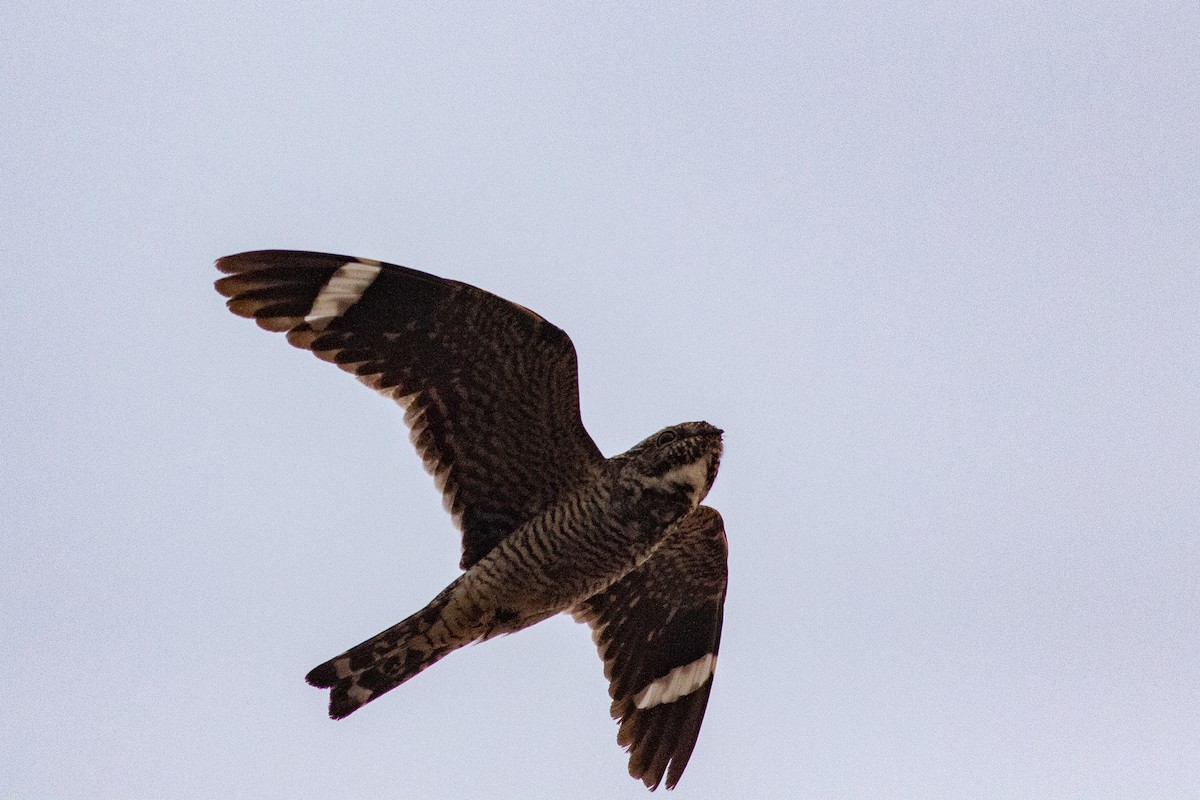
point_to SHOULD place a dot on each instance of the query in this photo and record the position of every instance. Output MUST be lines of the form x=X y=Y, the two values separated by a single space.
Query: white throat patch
x=694 y=474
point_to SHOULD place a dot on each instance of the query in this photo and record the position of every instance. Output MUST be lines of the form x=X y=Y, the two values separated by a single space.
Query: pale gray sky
x=932 y=267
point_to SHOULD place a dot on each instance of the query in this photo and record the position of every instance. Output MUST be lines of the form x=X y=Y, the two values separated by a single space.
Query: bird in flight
x=549 y=525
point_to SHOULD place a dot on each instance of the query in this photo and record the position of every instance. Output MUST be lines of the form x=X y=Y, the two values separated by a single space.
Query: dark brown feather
x=487 y=383
x=664 y=615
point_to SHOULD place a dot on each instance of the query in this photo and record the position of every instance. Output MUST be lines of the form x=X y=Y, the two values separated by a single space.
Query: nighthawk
x=549 y=525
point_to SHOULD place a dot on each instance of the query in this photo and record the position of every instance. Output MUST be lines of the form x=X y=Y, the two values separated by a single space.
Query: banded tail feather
x=388 y=659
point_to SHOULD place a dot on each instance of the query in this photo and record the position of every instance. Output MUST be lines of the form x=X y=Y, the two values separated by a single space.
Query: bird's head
x=681 y=459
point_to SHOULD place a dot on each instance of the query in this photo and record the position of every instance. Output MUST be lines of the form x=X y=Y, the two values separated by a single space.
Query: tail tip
x=347 y=697
x=340 y=712
x=322 y=677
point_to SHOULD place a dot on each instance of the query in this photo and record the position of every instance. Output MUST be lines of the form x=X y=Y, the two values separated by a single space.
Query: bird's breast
x=580 y=545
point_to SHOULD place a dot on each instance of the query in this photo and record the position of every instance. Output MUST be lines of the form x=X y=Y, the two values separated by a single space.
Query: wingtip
x=240 y=262
x=232 y=264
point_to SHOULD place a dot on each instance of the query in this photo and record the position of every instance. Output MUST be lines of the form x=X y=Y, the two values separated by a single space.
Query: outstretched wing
x=490 y=388
x=658 y=630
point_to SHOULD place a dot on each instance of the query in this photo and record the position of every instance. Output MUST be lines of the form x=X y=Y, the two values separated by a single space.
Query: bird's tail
x=385 y=661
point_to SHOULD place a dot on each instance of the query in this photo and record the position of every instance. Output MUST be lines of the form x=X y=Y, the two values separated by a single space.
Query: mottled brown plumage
x=659 y=618
x=548 y=524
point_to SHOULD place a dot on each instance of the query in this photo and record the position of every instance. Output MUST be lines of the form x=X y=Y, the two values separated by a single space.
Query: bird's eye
x=666 y=437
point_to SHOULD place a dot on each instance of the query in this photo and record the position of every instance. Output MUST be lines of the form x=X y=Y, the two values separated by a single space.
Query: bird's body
x=593 y=536
x=549 y=525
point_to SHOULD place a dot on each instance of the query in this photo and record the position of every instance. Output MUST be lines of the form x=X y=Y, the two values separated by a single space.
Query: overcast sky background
x=932 y=267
